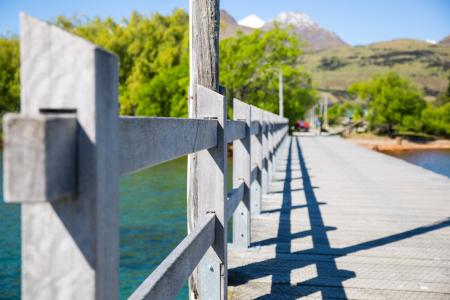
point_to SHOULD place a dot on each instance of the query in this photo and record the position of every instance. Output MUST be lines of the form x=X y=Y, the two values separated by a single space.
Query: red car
x=302 y=126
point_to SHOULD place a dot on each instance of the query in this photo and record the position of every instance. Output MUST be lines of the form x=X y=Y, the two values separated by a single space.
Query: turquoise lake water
x=435 y=160
x=152 y=221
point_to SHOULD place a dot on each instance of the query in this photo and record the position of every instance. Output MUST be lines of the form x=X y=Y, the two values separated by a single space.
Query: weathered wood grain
x=234 y=198
x=70 y=248
x=40 y=157
x=242 y=174
x=207 y=193
x=204 y=28
x=170 y=276
x=148 y=141
x=234 y=130
x=255 y=127
x=265 y=153
x=340 y=221
x=256 y=162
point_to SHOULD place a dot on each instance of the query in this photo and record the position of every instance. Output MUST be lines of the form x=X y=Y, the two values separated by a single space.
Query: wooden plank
x=146 y=142
x=170 y=276
x=270 y=145
x=234 y=130
x=255 y=127
x=342 y=221
x=256 y=163
x=207 y=193
x=70 y=249
x=204 y=28
x=254 y=175
x=242 y=173
x=40 y=157
x=234 y=198
x=265 y=153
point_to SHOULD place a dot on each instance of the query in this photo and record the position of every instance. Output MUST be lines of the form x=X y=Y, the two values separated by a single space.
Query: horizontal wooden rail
x=169 y=277
x=235 y=196
x=146 y=142
x=234 y=130
x=254 y=174
x=255 y=128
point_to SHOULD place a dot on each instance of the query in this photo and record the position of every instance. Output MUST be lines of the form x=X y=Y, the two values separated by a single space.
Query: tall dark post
x=208 y=281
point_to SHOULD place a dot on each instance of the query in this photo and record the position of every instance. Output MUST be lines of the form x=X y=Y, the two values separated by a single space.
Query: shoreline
x=385 y=144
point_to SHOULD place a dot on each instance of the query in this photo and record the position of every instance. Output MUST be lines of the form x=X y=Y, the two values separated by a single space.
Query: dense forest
x=154 y=65
x=154 y=75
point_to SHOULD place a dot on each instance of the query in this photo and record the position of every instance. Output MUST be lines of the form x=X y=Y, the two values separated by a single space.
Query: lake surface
x=152 y=223
x=435 y=160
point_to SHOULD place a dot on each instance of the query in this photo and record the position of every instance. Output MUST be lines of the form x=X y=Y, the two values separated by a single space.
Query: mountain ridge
x=335 y=65
x=426 y=65
x=316 y=36
x=445 y=41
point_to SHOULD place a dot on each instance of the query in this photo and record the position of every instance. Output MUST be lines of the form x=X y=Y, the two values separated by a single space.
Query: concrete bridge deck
x=343 y=222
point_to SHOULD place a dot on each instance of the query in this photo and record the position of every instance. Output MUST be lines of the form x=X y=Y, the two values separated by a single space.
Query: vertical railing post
x=210 y=194
x=275 y=143
x=256 y=162
x=207 y=169
x=270 y=143
x=70 y=247
x=241 y=174
x=265 y=153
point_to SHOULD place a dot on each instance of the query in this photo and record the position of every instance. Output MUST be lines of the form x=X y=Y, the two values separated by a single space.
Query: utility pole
x=209 y=278
x=325 y=113
x=280 y=92
x=321 y=108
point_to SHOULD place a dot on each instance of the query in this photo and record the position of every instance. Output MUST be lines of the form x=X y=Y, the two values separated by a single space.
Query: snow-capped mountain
x=316 y=37
x=445 y=41
x=229 y=26
x=296 y=19
x=252 y=21
x=313 y=33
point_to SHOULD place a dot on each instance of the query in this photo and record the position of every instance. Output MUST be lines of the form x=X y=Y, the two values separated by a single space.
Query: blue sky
x=356 y=21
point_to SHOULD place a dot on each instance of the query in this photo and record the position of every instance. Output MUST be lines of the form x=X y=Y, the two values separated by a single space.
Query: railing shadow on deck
x=329 y=279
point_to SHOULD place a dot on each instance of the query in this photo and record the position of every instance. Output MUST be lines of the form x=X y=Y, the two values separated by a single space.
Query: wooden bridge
x=344 y=222
x=313 y=217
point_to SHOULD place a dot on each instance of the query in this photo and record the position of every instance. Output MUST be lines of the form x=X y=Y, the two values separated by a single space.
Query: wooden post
x=275 y=143
x=210 y=192
x=70 y=247
x=206 y=168
x=256 y=163
x=242 y=173
x=265 y=153
x=270 y=145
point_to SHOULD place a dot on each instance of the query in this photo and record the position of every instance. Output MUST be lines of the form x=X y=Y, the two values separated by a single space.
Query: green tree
x=393 y=102
x=154 y=65
x=9 y=75
x=334 y=114
x=250 y=65
x=436 y=120
x=150 y=48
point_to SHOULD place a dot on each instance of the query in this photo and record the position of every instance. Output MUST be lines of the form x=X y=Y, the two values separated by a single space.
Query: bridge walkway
x=344 y=222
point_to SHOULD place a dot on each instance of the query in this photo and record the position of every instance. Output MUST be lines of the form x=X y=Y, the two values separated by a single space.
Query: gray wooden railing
x=64 y=153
